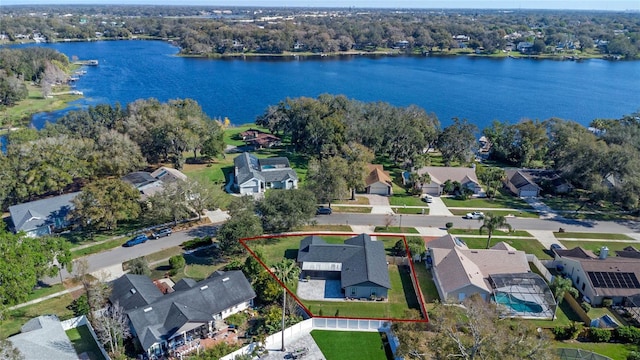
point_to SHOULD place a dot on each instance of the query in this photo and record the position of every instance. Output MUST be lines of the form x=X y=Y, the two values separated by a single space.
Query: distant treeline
x=209 y=31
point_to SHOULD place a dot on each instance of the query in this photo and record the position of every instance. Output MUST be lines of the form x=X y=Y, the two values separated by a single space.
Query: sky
x=612 y=5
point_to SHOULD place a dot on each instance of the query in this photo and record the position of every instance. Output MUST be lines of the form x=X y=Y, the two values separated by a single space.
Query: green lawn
x=427 y=285
x=505 y=201
x=401 y=297
x=585 y=235
x=338 y=345
x=360 y=200
x=83 y=342
x=614 y=351
x=44 y=291
x=342 y=228
x=495 y=232
x=20 y=114
x=352 y=209
x=405 y=199
x=411 y=211
x=529 y=246
x=506 y=213
x=564 y=316
x=14 y=319
x=395 y=229
x=596 y=245
x=231 y=134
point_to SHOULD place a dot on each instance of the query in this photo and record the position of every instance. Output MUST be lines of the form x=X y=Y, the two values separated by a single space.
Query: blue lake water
x=478 y=89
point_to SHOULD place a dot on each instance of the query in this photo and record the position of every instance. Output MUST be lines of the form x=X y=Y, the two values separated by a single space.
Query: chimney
x=604 y=252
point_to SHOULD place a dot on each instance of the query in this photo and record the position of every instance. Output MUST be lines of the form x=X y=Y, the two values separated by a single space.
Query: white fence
x=82 y=320
x=540 y=266
x=274 y=342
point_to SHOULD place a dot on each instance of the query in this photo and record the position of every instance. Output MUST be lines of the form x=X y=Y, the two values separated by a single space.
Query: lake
x=475 y=88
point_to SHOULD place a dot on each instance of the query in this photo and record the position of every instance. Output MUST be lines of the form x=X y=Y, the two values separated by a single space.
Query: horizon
x=598 y=5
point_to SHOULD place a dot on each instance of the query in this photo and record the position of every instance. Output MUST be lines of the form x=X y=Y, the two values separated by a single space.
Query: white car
x=428 y=199
x=476 y=215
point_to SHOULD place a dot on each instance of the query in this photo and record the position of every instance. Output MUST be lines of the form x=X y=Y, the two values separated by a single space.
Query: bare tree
x=8 y=351
x=112 y=326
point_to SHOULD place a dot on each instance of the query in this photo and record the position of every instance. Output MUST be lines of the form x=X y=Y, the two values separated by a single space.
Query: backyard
x=338 y=345
x=84 y=343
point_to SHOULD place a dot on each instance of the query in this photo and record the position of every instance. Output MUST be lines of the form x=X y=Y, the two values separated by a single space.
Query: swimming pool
x=516 y=304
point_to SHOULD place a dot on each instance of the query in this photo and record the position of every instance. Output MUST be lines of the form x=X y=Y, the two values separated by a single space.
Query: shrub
x=599 y=335
x=567 y=332
x=585 y=306
x=607 y=302
x=177 y=262
x=634 y=355
x=448 y=225
x=196 y=243
x=627 y=334
x=80 y=306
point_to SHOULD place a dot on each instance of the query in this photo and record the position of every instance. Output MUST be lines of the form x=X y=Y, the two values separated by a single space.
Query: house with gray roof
x=359 y=264
x=253 y=176
x=439 y=175
x=42 y=217
x=150 y=183
x=163 y=321
x=44 y=337
x=521 y=184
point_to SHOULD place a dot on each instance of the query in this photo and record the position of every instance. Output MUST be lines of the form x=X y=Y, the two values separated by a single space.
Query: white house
x=466 y=176
x=253 y=175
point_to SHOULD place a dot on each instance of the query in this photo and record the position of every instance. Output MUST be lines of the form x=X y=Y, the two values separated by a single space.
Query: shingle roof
x=134 y=291
x=440 y=174
x=576 y=252
x=363 y=260
x=168 y=175
x=34 y=214
x=519 y=179
x=249 y=167
x=377 y=174
x=161 y=319
x=139 y=178
x=44 y=338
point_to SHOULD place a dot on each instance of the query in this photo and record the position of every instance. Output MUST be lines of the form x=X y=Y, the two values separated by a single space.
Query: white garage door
x=378 y=188
x=528 y=193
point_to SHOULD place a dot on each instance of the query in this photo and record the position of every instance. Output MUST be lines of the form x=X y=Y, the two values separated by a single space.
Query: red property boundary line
x=414 y=278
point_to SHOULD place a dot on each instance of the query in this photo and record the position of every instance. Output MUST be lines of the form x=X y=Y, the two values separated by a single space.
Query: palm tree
x=491 y=222
x=559 y=287
x=287 y=271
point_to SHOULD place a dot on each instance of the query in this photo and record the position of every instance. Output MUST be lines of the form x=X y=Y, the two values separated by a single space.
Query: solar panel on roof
x=614 y=280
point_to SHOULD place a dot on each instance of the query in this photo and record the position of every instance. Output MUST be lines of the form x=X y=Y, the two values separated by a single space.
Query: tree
x=287 y=271
x=492 y=177
x=457 y=142
x=252 y=268
x=25 y=260
x=560 y=286
x=475 y=331
x=286 y=209
x=139 y=266
x=201 y=195
x=242 y=223
x=112 y=326
x=491 y=222
x=326 y=178
x=103 y=203
x=170 y=204
x=358 y=157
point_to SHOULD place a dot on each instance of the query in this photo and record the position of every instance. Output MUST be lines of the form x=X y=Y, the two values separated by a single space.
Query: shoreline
x=291 y=55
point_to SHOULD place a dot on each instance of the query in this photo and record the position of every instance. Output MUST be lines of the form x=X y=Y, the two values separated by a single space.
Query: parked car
x=555 y=247
x=476 y=215
x=428 y=199
x=324 y=211
x=161 y=233
x=142 y=238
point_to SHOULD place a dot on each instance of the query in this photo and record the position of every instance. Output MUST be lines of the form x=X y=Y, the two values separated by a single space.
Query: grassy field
x=338 y=345
x=401 y=297
x=597 y=236
x=406 y=199
x=596 y=245
x=529 y=246
x=411 y=211
x=360 y=200
x=352 y=209
x=83 y=342
x=495 y=232
x=20 y=114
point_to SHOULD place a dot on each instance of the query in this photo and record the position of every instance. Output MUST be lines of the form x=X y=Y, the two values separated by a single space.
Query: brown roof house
x=466 y=176
x=378 y=181
x=259 y=139
x=500 y=273
x=521 y=184
x=603 y=276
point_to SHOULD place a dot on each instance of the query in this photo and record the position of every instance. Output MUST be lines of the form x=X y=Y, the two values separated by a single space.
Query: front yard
x=502 y=200
x=529 y=246
x=596 y=245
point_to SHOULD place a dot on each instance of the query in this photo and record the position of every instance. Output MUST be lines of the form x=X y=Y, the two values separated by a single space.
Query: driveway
x=437 y=207
x=379 y=204
x=544 y=211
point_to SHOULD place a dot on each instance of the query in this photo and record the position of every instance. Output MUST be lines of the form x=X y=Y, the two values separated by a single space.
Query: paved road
x=620 y=227
x=122 y=254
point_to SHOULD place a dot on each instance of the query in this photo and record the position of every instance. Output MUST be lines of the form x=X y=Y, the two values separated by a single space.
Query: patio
x=319 y=289
x=194 y=341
